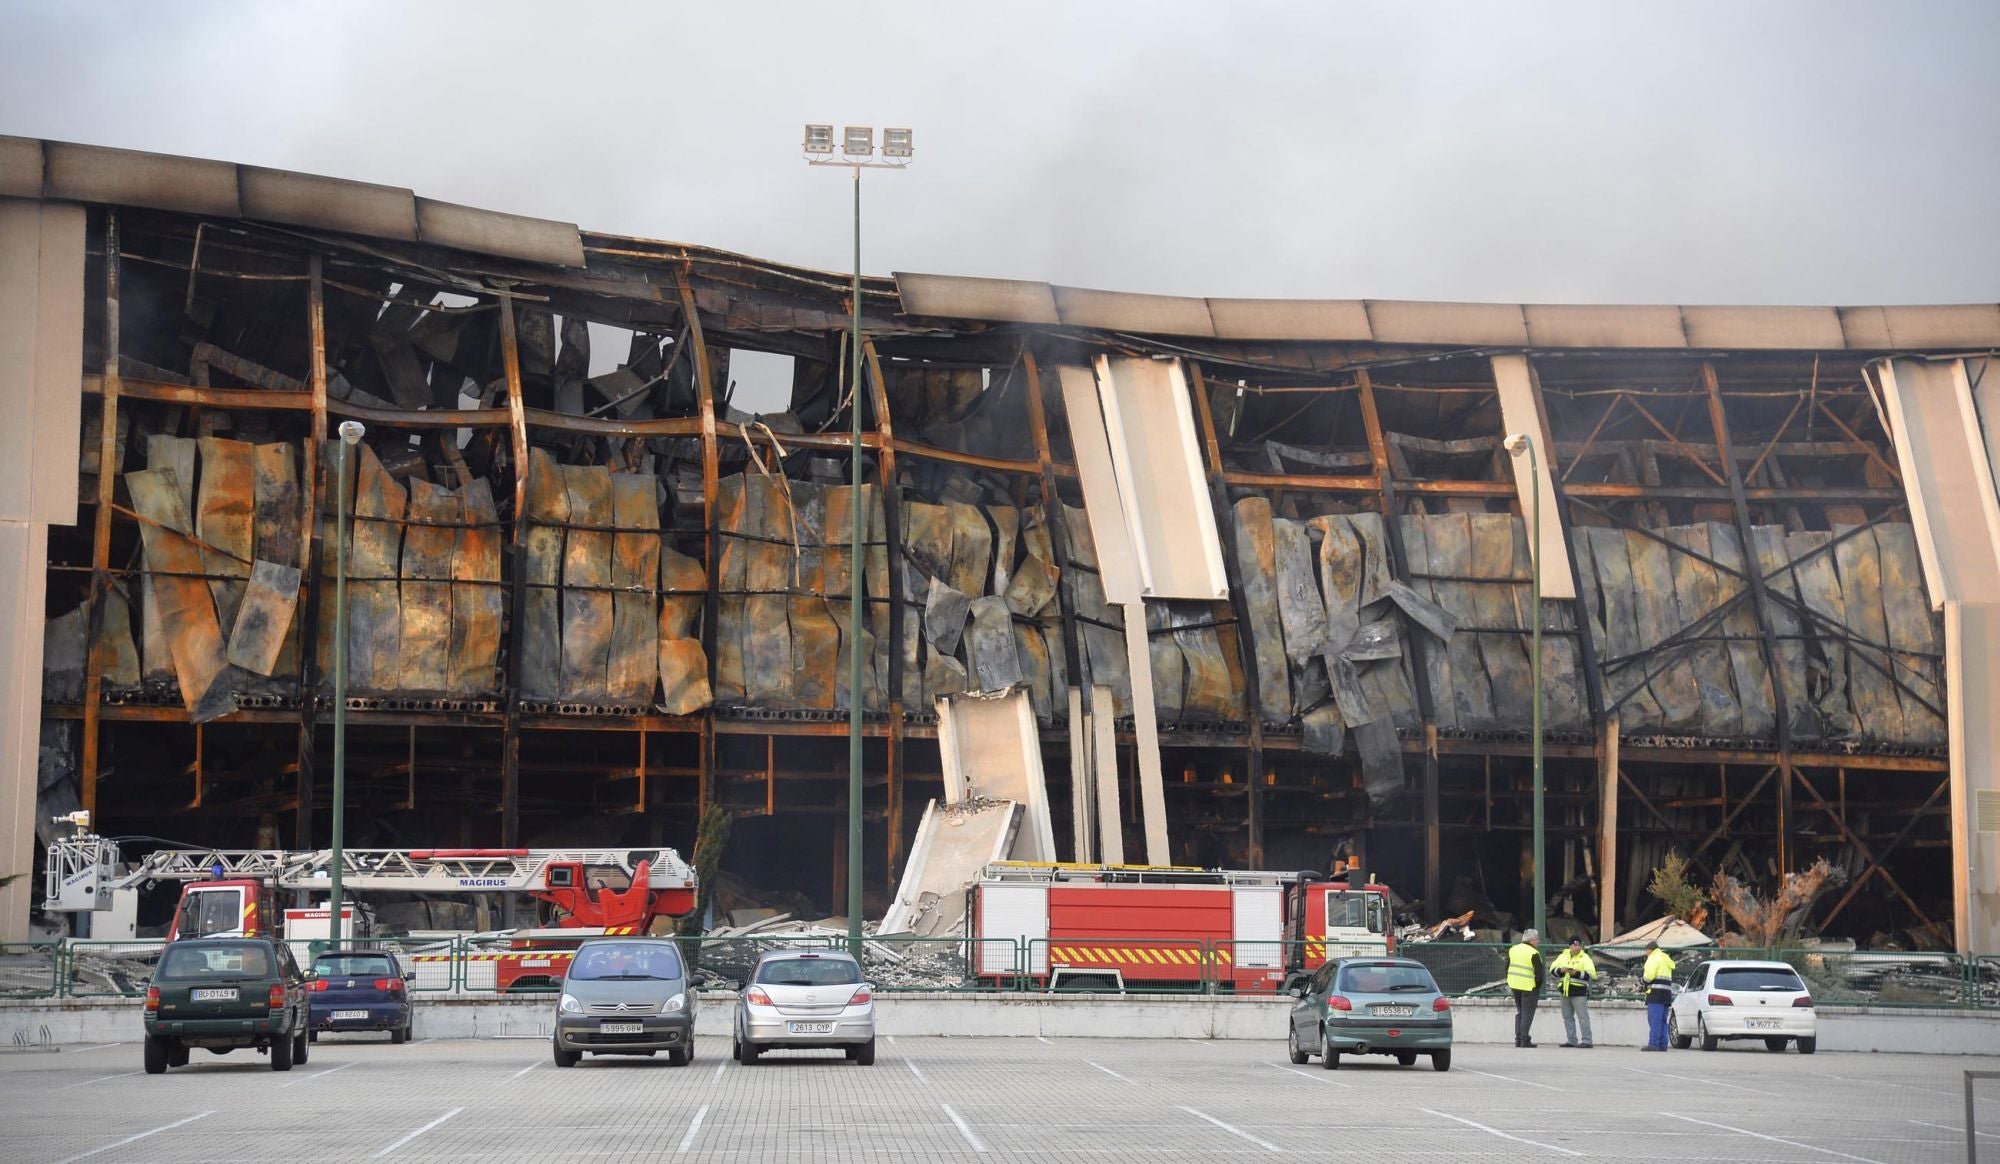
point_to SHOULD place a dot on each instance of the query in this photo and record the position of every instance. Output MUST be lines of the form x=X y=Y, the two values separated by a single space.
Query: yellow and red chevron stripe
x=1130 y=955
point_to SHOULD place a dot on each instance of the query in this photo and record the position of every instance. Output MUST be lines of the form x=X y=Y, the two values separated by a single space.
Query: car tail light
x=1721 y=1000
x=277 y=995
x=1802 y=1000
x=1441 y=1003
x=152 y=998
x=862 y=997
x=1338 y=1002
x=319 y=985
x=390 y=985
x=755 y=996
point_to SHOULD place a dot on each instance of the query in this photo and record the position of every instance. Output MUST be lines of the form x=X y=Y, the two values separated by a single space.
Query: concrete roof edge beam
x=467 y=228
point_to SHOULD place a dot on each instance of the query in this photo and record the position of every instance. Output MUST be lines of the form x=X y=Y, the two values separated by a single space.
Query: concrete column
x=41 y=399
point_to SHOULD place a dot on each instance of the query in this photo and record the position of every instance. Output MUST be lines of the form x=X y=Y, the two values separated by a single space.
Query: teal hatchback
x=1370 y=1006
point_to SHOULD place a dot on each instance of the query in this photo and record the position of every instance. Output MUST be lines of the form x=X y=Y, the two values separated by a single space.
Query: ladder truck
x=228 y=893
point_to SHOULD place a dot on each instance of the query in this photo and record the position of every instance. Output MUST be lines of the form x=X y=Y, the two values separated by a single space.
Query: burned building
x=1261 y=568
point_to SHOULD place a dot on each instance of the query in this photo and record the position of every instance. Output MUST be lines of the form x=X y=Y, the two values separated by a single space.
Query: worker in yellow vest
x=1574 y=971
x=1658 y=975
x=1524 y=978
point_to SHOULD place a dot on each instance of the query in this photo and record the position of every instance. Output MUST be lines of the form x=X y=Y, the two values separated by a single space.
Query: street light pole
x=350 y=435
x=1516 y=445
x=858 y=144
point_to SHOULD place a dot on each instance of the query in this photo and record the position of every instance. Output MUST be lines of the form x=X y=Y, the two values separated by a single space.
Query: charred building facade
x=1262 y=568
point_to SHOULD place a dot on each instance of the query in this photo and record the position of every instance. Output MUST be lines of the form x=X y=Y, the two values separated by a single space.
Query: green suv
x=226 y=994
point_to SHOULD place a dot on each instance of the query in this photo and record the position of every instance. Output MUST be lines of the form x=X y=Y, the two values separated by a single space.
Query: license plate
x=1396 y=1011
x=622 y=1028
x=214 y=994
x=341 y=1016
x=1761 y=1024
x=810 y=1028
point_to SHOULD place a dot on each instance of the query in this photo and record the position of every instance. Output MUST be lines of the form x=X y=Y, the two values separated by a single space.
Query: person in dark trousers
x=1658 y=975
x=1524 y=977
x=1574 y=971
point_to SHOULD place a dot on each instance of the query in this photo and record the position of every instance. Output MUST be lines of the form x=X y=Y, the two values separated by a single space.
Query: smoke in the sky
x=1798 y=152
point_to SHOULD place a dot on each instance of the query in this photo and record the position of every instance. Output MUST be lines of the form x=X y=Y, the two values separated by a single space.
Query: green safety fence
x=1262 y=966
x=726 y=962
x=430 y=963
x=108 y=968
x=31 y=969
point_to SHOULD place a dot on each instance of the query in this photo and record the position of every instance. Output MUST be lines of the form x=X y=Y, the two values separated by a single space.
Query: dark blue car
x=360 y=990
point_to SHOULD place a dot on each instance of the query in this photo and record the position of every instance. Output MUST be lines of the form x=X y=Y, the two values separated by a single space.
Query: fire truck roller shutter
x=1020 y=912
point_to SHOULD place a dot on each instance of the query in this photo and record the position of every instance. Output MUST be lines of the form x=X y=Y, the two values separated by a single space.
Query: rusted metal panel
x=770 y=568
x=1006 y=524
x=1563 y=703
x=1695 y=595
x=1301 y=610
x=733 y=554
x=1912 y=632
x=1168 y=667
x=633 y=670
x=277 y=535
x=1211 y=692
x=187 y=609
x=815 y=636
x=477 y=600
x=1448 y=538
x=927 y=533
x=1032 y=587
x=945 y=612
x=1819 y=589
x=540 y=637
x=177 y=455
x=1767 y=544
x=1438 y=660
x=971 y=549
x=1257 y=565
x=683 y=666
x=1746 y=663
x=225 y=514
x=264 y=620
x=374 y=610
x=993 y=664
x=426 y=599
x=118 y=654
x=1102 y=625
x=1658 y=614
x=1625 y=685
x=1033 y=654
x=1505 y=655
x=1877 y=709
x=586 y=576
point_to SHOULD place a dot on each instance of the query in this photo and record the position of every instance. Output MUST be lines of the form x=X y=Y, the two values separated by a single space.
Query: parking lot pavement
x=986 y=1098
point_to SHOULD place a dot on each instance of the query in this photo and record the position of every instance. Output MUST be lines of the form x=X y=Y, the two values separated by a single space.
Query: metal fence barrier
x=31 y=969
x=100 y=968
x=909 y=962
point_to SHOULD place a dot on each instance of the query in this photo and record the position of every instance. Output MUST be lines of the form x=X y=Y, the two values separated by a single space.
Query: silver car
x=625 y=996
x=800 y=999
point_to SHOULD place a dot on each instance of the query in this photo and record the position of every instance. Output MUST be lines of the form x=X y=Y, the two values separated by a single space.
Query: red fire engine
x=1113 y=927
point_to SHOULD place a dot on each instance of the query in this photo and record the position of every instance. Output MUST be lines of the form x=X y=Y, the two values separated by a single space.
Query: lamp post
x=1517 y=444
x=350 y=435
x=857 y=146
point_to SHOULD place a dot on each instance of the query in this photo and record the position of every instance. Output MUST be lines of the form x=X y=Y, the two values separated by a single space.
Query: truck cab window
x=211 y=911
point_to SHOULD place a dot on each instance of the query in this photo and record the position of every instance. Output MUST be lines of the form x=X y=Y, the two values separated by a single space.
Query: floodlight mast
x=857 y=145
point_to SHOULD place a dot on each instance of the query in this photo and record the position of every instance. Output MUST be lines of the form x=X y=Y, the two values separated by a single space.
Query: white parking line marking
x=891 y=1038
x=1497 y=1132
x=319 y=1075
x=1232 y=1130
x=1773 y=1139
x=525 y=1070
x=99 y=1079
x=720 y=1068
x=1040 y=1039
x=98 y=1047
x=914 y=1070
x=1108 y=1071
x=1886 y=1083
x=1708 y=1082
x=694 y=1129
x=963 y=1130
x=1309 y=1075
x=1960 y=1131
x=420 y=1131
x=140 y=1136
x=1511 y=1079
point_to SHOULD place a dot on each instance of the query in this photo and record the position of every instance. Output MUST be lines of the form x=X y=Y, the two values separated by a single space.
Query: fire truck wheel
x=1440 y=1060
x=156 y=1055
x=1298 y=1054
x=1328 y=1057
x=1406 y=1058
x=566 y=1058
x=281 y=1055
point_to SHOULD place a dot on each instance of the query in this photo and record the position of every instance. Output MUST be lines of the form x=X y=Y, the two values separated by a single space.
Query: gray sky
x=1695 y=153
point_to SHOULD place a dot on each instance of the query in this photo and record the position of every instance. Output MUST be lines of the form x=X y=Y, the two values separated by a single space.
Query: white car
x=1744 y=1000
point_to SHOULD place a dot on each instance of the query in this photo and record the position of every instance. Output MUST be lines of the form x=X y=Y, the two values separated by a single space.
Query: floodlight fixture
x=897 y=143
x=819 y=139
x=858 y=141
x=1516 y=443
x=351 y=431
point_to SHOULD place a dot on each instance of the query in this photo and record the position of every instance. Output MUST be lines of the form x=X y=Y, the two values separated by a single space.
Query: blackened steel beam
x=892 y=532
x=711 y=475
x=310 y=550
x=510 y=743
x=100 y=542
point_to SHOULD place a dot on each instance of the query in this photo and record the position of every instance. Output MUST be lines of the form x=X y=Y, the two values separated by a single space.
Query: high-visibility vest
x=1578 y=983
x=1659 y=971
x=1521 y=967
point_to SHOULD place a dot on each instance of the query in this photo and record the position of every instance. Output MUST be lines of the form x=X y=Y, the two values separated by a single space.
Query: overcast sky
x=1699 y=153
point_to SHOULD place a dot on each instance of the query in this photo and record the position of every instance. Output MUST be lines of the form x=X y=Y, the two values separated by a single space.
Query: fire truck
x=1123 y=927
x=229 y=893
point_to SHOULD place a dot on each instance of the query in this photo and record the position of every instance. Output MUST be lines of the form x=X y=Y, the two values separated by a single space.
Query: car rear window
x=1756 y=978
x=1387 y=979
x=370 y=965
x=809 y=972
x=214 y=962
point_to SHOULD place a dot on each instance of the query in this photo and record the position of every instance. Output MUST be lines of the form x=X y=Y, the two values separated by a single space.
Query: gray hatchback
x=626 y=996
x=1370 y=1006
x=800 y=999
